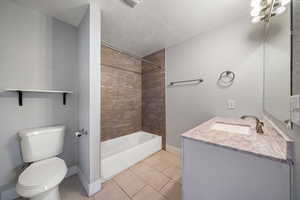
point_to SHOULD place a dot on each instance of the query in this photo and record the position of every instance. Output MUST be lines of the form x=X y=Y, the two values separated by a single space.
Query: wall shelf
x=21 y=91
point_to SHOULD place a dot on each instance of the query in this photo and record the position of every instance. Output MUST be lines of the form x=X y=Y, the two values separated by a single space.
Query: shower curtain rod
x=131 y=55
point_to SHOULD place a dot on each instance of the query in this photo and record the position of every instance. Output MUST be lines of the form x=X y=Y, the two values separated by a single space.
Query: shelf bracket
x=21 y=91
x=20 y=97
x=64 y=98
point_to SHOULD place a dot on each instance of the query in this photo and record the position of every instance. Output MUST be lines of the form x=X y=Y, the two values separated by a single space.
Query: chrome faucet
x=259 y=124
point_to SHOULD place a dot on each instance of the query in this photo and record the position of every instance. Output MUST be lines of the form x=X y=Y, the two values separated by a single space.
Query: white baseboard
x=173 y=149
x=11 y=194
x=94 y=187
x=90 y=188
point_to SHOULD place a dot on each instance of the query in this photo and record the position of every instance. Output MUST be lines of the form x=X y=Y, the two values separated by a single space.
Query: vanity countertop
x=270 y=144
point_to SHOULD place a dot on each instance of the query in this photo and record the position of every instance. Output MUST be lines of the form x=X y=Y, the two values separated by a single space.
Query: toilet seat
x=41 y=176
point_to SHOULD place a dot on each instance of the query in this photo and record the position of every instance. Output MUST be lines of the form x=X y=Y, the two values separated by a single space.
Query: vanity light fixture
x=256 y=3
x=285 y=2
x=259 y=7
x=280 y=10
x=256 y=19
x=255 y=12
x=263 y=10
x=133 y=3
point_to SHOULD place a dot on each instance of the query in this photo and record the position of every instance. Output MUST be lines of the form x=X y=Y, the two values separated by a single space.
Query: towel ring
x=227 y=76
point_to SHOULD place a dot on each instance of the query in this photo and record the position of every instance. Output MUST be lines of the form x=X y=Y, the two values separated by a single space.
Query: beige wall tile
x=114 y=58
x=121 y=95
x=132 y=101
x=153 y=96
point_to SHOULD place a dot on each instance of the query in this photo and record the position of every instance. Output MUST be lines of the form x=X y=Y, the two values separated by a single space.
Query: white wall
x=89 y=98
x=95 y=95
x=39 y=52
x=84 y=95
x=235 y=47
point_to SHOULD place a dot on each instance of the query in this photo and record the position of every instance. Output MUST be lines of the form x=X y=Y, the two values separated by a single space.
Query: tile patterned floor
x=155 y=178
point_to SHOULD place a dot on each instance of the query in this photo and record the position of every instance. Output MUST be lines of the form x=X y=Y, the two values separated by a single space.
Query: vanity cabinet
x=212 y=172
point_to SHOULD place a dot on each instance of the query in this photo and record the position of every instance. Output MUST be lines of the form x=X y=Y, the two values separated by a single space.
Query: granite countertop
x=270 y=145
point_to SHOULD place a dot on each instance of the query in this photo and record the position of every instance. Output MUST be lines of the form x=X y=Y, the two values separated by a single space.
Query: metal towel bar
x=194 y=81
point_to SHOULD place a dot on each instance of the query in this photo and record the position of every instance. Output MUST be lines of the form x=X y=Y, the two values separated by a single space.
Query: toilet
x=40 y=146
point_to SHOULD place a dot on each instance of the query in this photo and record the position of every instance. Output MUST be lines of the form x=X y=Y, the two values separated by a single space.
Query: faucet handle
x=259 y=124
x=259 y=127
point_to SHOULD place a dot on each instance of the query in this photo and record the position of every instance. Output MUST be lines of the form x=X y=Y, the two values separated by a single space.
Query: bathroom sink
x=232 y=128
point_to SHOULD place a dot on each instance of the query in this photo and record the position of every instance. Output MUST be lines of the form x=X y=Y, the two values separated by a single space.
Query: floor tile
x=172 y=191
x=152 y=160
x=170 y=157
x=175 y=153
x=151 y=176
x=71 y=189
x=173 y=172
x=157 y=163
x=129 y=182
x=147 y=193
x=151 y=179
x=111 y=191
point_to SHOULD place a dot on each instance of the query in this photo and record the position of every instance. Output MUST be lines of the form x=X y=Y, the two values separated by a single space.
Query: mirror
x=277 y=66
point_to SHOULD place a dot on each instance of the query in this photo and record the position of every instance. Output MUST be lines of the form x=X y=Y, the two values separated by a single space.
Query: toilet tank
x=41 y=143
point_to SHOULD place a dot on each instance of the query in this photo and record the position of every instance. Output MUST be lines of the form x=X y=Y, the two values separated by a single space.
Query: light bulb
x=285 y=2
x=280 y=10
x=256 y=19
x=255 y=11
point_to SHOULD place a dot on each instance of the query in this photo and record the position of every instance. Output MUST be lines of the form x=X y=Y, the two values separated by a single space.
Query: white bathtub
x=123 y=152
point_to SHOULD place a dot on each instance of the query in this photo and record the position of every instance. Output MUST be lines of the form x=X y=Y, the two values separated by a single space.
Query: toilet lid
x=43 y=173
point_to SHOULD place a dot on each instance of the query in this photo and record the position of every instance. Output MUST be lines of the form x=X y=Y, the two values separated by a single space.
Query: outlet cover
x=231 y=104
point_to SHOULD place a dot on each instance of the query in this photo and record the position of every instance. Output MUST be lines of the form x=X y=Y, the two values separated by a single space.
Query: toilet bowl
x=41 y=179
x=40 y=146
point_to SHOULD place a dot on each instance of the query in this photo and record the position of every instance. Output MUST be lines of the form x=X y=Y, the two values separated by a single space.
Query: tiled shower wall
x=121 y=98
x=133 y=95
x=153 y=96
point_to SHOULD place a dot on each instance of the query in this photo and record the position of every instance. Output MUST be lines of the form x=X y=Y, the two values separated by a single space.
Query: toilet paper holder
x=81 y=132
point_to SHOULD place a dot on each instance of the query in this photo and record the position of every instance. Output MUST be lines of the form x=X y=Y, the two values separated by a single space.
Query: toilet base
x=52 y=194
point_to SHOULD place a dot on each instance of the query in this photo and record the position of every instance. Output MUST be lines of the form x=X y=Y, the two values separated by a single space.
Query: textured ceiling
x=151 y=25
x=69 y=11
x=157 y=24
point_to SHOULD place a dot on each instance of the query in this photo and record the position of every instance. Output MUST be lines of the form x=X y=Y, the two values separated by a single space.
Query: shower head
x=133 y=3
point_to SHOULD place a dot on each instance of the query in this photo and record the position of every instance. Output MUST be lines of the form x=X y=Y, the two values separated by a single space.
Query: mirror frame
x=286 y=124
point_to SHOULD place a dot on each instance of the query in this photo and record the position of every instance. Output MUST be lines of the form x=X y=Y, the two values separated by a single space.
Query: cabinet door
x=215 y=173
